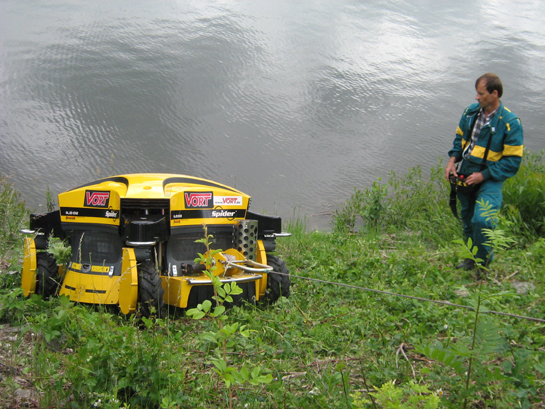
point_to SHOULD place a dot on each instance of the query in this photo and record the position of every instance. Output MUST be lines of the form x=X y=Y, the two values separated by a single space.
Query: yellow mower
x=133 y=241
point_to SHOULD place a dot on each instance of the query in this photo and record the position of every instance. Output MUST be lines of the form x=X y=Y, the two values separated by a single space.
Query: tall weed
x=408 y=202
x=227 y=335
x=524 y=198
x=13 y=217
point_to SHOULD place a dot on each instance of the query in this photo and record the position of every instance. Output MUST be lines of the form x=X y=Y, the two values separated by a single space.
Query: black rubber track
x=47 y=275
x=150 y=292
x=277 y=284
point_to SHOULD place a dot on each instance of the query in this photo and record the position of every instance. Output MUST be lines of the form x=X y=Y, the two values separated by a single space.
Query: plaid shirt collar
x=481 y=121
x=490 y=115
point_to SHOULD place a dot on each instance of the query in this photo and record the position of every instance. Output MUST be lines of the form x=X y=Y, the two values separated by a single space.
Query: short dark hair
x=493 y=83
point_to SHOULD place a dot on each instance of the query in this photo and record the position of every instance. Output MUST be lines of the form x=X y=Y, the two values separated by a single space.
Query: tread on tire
x=150 y=291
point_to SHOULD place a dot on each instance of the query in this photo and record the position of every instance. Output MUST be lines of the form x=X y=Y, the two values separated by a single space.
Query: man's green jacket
x=505 y=154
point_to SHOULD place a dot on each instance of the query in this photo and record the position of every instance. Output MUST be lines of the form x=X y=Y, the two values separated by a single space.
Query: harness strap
x=452 y=201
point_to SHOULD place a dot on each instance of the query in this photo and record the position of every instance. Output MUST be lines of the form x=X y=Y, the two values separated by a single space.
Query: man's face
x=486 y=101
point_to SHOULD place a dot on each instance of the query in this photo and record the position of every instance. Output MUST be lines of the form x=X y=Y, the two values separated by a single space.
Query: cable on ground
x=447 y=303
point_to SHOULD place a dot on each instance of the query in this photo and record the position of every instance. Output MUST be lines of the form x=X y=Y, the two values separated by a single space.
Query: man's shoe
x=467 y=264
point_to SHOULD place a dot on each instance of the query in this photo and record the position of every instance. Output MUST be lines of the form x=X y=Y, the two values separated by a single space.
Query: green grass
x=327 y=346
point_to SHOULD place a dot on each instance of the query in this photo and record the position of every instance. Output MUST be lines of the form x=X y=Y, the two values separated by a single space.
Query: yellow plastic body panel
x=128 y=285
x=193 y=201
x=75 y=205
x=218 y=206
x=177 y=289
x=261 y=257
x=94 y=269
x=91 y=288
x=28 y=279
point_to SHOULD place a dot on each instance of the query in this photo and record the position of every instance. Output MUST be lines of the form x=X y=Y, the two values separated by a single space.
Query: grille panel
x=135 y=204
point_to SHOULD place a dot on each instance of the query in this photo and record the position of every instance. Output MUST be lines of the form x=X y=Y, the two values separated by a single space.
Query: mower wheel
x=47 y=275
x=150 y=292
x=278 y=285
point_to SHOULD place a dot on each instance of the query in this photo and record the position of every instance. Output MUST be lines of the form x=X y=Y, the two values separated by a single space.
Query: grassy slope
x=326 y=345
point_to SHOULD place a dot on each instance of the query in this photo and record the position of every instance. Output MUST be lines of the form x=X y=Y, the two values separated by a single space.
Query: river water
x=294 y=103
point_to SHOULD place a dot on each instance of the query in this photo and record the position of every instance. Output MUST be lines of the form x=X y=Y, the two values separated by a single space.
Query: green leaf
x=209 y=336
x=148 y=322
x=487 y=337
x=235 y=289
x=540 y=367
x=245 y=373
x=461 y=349
x=220 y=364
x=340 y=366
x=261 y=379
x=228 y=379
x=219 y=310
x=256 y=371
x=195 y=313
x=448 y=359
x=238 y=377
x=206 y=305
x=233 y=327
x=438 y=355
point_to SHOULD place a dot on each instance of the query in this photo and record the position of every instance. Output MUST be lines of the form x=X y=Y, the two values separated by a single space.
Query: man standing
x=487 y=150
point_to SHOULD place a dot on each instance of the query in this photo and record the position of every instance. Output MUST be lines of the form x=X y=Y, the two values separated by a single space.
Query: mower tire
x=47 y=275
x=278 y=285
x=150 y=291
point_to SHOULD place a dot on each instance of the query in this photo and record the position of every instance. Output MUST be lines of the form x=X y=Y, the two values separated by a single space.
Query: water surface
x=295 y=103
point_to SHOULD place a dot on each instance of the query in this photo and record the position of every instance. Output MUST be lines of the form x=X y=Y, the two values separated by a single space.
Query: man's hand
x=475 y=178
x=450 y=168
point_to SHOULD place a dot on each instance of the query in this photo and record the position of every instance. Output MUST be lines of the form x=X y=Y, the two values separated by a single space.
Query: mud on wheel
x=278 y=285
x=150 y=292
x=47 y=275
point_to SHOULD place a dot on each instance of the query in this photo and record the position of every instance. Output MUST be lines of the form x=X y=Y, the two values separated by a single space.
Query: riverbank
x=375 y=303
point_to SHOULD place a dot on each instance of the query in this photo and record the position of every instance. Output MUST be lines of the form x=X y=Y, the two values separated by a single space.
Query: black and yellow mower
x=134 y=243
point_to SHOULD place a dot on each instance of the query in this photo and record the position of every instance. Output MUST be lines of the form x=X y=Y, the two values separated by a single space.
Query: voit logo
x=201 y=200
x=227 y=200
x=96 y=199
